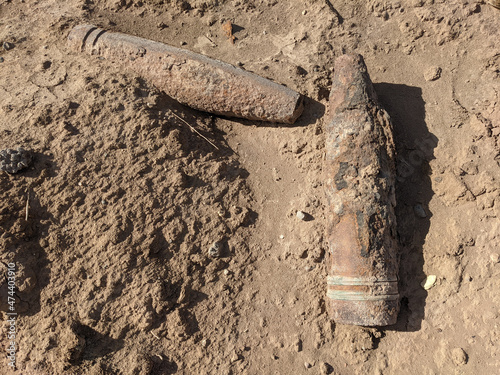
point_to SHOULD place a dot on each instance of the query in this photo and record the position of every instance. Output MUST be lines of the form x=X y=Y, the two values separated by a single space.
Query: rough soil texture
x=114 y=272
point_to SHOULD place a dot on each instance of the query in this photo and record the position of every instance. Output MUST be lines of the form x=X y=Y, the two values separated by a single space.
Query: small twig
x=155 y=335
x=211 y=41
x=196 y=131
x=27 y=204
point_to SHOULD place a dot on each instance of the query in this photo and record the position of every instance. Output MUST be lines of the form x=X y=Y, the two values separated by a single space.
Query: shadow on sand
x=415 y=148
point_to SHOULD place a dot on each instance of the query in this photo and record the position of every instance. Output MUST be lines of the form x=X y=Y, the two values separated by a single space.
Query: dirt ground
x=124 y=200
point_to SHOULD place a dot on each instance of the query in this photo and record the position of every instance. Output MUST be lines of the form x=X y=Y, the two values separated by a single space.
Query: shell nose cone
x=78 y=35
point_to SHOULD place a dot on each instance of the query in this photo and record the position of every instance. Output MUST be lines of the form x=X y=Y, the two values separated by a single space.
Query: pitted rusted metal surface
x=193 y=79
x=364 y=259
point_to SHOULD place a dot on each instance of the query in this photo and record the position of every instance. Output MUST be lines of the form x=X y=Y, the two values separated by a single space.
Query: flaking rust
x=192 y=79
x=360 y=189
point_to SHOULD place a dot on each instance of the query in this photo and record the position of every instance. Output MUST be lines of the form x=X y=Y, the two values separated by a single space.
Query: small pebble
x=433 y=73
x=1 y=60
x=495 y=258
x=182 y=43
x=459 y=356
x=301 y=215
x=325 y=368
x=429 y=282
x=304 y=12
x=226 y=272
x=419 y=211
x=215 y=251
x=281 y=237
x=307 y=365
x=205 y=342
x=7 y=46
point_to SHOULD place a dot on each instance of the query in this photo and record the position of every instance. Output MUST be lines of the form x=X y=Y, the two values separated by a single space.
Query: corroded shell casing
x=192 y=79
x=360 y=153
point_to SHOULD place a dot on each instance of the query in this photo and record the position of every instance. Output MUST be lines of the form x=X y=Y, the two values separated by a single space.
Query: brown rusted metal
x=363 y=277
x=193 y=79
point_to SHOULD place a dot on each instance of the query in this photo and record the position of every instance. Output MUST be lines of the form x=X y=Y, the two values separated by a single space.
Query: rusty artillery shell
x=193 y=79
x=362 y=282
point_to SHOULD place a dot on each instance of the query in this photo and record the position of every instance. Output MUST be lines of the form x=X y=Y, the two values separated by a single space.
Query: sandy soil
x=113 y=270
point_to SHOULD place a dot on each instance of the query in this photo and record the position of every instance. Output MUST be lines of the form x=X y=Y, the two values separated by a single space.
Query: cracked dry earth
x=113 y=269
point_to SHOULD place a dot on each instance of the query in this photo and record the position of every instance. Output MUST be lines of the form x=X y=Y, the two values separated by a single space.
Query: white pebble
x=429 y=282
x=301 y=215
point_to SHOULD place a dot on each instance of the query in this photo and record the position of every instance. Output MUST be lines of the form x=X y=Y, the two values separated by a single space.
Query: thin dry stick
x=27 y=205
x=211 y=41
x=196 y=131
